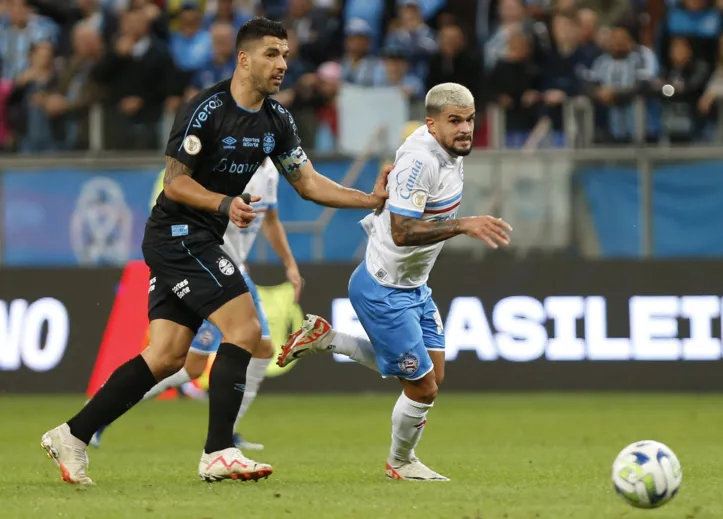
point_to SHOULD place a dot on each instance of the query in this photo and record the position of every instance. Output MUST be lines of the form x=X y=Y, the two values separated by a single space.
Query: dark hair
x=256 y=28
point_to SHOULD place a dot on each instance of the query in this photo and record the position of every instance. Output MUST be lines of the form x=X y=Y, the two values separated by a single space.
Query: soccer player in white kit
x=389 y=291
x=237 y=244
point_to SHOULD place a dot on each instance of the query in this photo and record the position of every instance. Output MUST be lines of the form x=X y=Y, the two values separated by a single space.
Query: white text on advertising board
x=517 y=328
x=32 y=335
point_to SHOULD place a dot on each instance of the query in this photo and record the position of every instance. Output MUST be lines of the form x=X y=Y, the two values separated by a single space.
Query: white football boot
x=313 y=337
x=69 y=453
x=413 y=470
x=231 y=464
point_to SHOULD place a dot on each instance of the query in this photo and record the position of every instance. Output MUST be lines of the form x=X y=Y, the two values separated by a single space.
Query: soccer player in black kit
x=218 y=141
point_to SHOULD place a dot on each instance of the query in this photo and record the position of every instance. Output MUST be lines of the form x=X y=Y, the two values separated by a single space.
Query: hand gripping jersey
x=426 y=183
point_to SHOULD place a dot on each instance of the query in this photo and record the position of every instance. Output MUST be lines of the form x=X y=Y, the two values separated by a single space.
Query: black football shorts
x=190 y=279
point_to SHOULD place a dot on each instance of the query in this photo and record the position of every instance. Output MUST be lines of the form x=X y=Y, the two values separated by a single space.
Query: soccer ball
x=647 y=474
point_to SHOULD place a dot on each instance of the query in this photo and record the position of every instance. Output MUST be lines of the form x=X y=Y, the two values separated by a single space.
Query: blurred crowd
x=134 y=62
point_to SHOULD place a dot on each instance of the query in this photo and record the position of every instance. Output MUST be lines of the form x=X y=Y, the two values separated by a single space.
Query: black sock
x=226 y=387
x=124 y=389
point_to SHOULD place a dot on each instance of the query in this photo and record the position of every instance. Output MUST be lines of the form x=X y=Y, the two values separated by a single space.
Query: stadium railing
x=547 y=193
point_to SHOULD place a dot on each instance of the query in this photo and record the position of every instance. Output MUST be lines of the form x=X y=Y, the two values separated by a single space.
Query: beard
x=455 y=149
x=263 y=86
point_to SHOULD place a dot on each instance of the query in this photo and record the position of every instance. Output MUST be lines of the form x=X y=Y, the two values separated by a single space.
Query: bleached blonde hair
x=447 y=94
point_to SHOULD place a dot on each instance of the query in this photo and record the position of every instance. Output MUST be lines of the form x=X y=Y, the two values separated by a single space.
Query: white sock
x=408 y=421
x=175 y=380
x=255 y=374
x=357 y=349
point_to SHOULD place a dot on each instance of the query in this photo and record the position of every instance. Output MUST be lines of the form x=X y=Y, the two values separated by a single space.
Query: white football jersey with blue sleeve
x=426 y=183
x=237 y=242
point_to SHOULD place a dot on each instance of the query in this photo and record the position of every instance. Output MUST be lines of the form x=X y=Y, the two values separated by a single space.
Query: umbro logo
x=229 y=143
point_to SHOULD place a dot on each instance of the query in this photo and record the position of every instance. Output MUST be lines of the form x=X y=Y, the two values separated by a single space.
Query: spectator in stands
x=414 y=37
x=513 y=19
x=222 y=62
x=296 y=68
x=609 y=12
x=358 y=64
x=515 y=81
x=455 y=62
x=31 y=124
x=616 y=78
x=316 y=31
x=395 y=70
x=274 y=9
x=91 y=12
x=67 y=15
x=227 y=11
x=591 y=42
x=158 y=19
x=696 y=20
x=174 y=7
x=563 y=67
x=135 y=71
x=190 y=45
x=714 y=88
x=20 y=30
x=6 y=87
x=687 y=76
x=328 y=85
x=76 y=92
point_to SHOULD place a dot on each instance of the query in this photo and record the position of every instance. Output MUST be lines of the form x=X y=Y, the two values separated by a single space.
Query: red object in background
x=126 y=334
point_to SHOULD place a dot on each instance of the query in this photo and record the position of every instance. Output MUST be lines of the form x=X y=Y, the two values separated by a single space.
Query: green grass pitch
x=509 y=457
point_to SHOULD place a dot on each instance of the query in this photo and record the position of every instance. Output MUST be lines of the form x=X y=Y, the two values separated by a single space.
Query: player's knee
x=439 y=378
x=164 y=363
x=265 y=349
x=428 y=392
x=246 y=334
x=425 y=390
x=195 y=365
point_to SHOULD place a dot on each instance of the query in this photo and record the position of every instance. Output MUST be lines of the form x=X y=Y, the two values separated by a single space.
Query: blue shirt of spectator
x=372 y=12
x=393 y=70
x=698 y=23
x=15 y=42
x=415 y=37
x=190 y=46
x=358 y=64
x=227 y=13
x=212 y=73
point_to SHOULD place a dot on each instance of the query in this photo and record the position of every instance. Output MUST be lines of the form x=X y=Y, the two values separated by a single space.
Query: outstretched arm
x=312 y=185
x=408 y=231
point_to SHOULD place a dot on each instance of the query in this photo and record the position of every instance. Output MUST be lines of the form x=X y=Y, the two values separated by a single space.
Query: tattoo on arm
x=411 y=231
x=175 y=169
